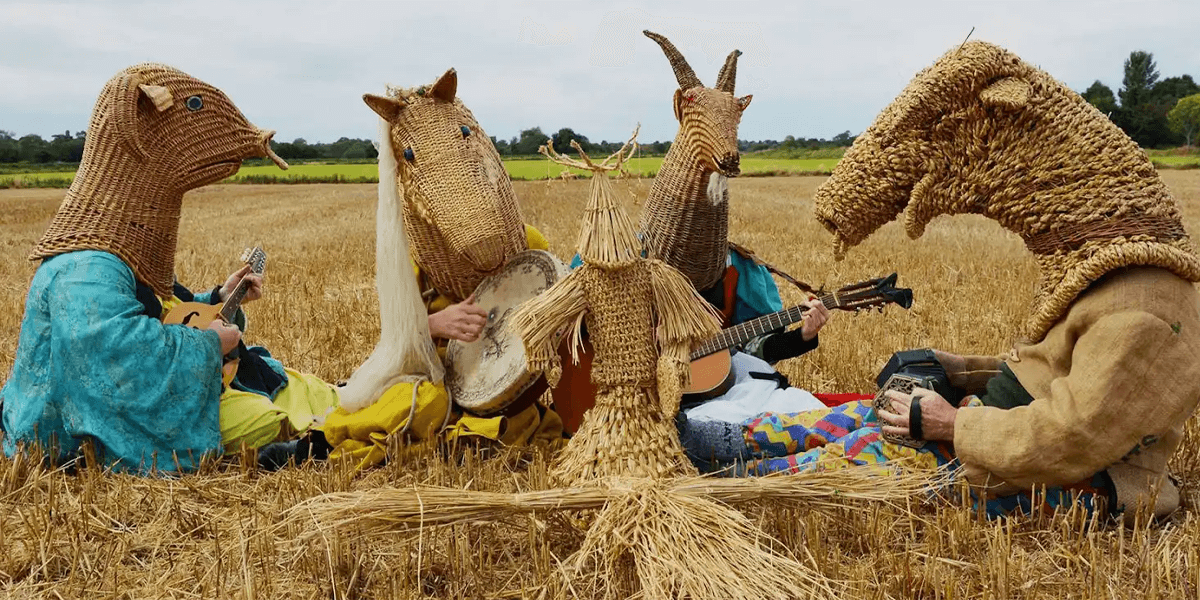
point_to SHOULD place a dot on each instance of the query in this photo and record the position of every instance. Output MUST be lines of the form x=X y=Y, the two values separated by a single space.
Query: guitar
x=198 y=315
x=712 y=373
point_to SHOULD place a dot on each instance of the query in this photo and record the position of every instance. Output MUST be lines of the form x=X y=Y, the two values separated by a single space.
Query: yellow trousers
x=253 y=421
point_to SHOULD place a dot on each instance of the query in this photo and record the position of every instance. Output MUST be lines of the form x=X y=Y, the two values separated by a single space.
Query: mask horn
x=683 y=72
x=728 y=72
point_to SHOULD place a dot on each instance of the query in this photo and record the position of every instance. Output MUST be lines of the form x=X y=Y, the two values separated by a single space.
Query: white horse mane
x=405 y=351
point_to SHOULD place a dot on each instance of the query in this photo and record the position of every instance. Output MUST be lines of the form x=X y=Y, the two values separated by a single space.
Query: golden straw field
x=223 y=533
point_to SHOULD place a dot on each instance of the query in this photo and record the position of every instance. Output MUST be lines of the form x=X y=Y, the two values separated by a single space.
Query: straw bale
x=981 y=131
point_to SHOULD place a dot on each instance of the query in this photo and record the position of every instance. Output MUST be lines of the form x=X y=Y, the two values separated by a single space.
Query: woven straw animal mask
x=981 y=131
x=155 y=133
x=708 y=117
x=459 y=207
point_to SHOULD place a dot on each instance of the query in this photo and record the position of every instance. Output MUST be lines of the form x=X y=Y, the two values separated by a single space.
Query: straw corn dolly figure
x=640 y=312
x=686 y=224
x=643 y=318
x=442 y=180
x=1094 y=401
x=94 y=361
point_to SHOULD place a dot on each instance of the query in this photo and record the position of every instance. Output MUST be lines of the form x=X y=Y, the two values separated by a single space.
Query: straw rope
x=154 y=134
x=981 y=131
x=685 y=219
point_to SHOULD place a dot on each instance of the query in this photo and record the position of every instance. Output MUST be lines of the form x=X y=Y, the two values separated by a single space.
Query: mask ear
x=125 y=111
x=744 y=101
x=1010 y=92
x=445 y=87
x=159 y=95
x=678 y=105
x=388 y=108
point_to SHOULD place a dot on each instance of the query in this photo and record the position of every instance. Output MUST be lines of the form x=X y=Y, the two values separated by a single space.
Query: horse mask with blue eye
x=459 y=207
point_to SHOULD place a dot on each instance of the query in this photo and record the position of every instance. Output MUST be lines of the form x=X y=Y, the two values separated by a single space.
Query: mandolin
x=712 y=373
x=198 y=315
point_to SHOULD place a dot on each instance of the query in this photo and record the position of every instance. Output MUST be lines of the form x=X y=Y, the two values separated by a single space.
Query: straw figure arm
x=541 y=320
x=684 y=318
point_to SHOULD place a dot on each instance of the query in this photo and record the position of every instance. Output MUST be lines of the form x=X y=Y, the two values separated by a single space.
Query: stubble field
x=220 y=533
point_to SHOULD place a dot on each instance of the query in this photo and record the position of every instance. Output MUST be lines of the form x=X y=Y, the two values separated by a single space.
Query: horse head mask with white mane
x=441 y=180
x=458 y=202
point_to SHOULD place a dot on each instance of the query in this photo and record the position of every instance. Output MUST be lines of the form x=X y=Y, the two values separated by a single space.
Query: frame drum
x=488 y=375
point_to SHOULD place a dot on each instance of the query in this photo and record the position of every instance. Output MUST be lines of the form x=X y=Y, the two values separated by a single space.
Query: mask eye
x=194 y=103
x=465 y=131
x=408 y=154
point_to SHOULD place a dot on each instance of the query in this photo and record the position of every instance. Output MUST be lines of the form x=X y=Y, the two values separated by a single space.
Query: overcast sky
x=815 y=68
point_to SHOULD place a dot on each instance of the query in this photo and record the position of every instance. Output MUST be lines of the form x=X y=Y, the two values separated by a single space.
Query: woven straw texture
x=684 y=224
x=155 y=133
x=460 y=211
x=642 y=317
x=981 y=131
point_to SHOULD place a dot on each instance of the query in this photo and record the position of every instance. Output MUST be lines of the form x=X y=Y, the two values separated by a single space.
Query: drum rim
x=521 y=384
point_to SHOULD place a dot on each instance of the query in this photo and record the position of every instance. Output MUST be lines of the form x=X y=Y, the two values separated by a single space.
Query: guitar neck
x=235 y=300
x=740 y=334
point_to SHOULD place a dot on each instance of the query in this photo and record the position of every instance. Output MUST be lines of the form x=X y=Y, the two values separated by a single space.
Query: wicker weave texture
x=460 y=211
x=155 y=133
x=981 y=131
x=684 y=225
x=642 y=318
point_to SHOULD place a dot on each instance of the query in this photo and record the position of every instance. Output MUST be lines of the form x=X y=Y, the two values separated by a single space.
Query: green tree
x=562 y=140
x=529 y=141
x=10 y=151
x=1184 y=119
x=1137 y=115
x=1101 y=96
x=34 y=149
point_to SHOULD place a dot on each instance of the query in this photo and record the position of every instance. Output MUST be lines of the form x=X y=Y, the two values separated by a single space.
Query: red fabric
x=840 y=399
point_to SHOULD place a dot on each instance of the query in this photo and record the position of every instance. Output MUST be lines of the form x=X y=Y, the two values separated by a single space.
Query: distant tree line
x=1154 y=112
x=1142 y=106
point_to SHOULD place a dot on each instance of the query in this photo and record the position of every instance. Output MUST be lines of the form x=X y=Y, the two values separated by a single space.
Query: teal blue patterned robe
x=90 y=364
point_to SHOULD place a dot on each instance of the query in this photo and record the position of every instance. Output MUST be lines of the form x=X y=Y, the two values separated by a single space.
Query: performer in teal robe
x=91 y=364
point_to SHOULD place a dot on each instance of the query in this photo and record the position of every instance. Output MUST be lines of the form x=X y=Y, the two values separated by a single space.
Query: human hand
x=463 y=321
x=814 y=318
x=937 y=415
x=230 y=335
x=254 y=282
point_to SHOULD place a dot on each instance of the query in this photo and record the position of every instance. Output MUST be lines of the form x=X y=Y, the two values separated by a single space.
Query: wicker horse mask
x=981 y=131
x=686 y=218
x=459 y=207
x=155 y=133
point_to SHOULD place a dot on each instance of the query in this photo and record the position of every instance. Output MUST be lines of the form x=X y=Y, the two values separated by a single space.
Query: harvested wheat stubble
x=102 y=536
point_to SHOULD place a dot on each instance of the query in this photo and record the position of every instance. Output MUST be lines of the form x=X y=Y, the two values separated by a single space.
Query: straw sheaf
x=983 y=132
x=607 y=238
x=460 y=211
x=145 y=147
x=637 y=312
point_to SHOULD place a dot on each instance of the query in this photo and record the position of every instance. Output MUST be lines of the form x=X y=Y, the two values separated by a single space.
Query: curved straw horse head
x=458 y=202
